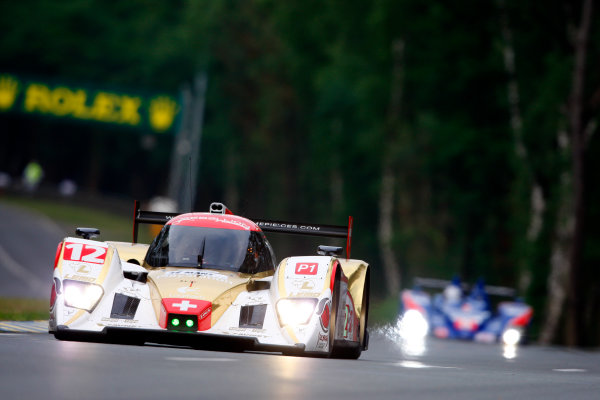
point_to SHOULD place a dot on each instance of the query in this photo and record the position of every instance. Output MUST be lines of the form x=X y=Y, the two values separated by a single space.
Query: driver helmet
x=453 y=292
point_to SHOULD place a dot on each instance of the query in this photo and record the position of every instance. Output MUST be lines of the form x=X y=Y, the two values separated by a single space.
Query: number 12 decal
x=85 y=252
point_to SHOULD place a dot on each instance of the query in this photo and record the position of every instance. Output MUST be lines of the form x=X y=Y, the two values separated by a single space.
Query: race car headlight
x=413 y=325
x=82 y=295
x=295 y=311
x=511 y=336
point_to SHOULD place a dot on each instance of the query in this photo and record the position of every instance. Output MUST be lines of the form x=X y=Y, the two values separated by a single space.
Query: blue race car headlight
x=82 y=295
x=511 y=336
x=295 y=311
x=413 y=325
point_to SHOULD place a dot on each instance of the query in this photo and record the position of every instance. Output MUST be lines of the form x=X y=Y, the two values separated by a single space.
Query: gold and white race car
x=209 y=280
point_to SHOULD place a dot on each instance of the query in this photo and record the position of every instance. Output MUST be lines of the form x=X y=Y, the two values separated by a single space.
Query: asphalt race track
x=37 y=366
x=27 y=247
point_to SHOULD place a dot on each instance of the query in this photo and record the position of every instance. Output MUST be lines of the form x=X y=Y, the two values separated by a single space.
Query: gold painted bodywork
x=131 y=251
x=221 y=288
x=221 y=292
x=356 y=272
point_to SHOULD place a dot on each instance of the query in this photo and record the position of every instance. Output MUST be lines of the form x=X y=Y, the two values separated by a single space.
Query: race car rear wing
x=160 y=218
x=300 y=228
x=441 y=284
x=148 y=217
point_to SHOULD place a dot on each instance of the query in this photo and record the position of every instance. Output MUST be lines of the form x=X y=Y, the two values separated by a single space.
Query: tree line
x=459 y=134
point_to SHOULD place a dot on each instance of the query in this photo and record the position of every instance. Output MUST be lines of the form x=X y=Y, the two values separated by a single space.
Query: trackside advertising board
x=152 y=113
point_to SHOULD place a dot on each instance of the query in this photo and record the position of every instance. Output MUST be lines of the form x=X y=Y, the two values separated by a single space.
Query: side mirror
x=323 y=250
x=87 y=233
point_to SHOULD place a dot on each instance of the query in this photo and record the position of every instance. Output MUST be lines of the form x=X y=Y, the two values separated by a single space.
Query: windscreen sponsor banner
x=155 y=113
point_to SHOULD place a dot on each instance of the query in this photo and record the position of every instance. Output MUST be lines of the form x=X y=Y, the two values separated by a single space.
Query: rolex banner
x=153 y=113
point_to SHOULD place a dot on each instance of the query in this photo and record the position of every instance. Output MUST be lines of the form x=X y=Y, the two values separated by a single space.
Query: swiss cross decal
x=201 y=308
x=306 y=268
x=184 y=305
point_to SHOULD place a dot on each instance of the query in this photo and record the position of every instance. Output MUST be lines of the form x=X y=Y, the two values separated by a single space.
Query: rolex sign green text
x=155 y=113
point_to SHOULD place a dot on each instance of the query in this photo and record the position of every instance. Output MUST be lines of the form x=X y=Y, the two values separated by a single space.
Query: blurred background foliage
x=311 y=104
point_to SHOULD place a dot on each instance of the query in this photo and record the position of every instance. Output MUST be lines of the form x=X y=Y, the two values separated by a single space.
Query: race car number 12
x=85 y=252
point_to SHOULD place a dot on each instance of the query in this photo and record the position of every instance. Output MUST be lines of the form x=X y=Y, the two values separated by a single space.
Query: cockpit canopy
x=238 y=250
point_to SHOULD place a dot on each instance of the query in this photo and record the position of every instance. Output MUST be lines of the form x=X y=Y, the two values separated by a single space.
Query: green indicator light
x=175 y=322
x=189 y=323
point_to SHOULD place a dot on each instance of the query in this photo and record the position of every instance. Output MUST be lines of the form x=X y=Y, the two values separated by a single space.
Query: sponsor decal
x=84 y=269
x=85 y=252
x=288 y=226
x=20 y=94
x=183 y=220
x=133 y=289
x=322 y=341
x=348 y=318
x=80 y=278
x=306 y=268
x=197 y=274
x=305 y=294
x=261 y=333
x=302 y=284
x=205 y=313
x=118 y=322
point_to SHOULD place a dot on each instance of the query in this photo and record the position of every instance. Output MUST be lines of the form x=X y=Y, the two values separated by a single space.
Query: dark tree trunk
x=388 y=181
x=575 y=329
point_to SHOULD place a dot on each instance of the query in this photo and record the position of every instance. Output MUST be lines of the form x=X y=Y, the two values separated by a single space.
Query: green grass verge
x=383 y=312
x=13 y=309
x=70 y=216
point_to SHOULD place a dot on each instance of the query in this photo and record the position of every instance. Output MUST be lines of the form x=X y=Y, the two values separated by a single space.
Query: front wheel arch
x=350 y=350
x=364 y=312
x=335 y=300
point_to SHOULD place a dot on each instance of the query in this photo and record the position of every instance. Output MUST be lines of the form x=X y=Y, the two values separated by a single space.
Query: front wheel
x=353 y=350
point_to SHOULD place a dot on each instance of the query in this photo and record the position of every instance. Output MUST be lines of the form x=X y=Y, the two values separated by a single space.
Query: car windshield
x=213 y=248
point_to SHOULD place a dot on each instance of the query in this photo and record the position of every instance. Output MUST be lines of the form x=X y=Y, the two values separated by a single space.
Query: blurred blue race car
x=459 y=313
